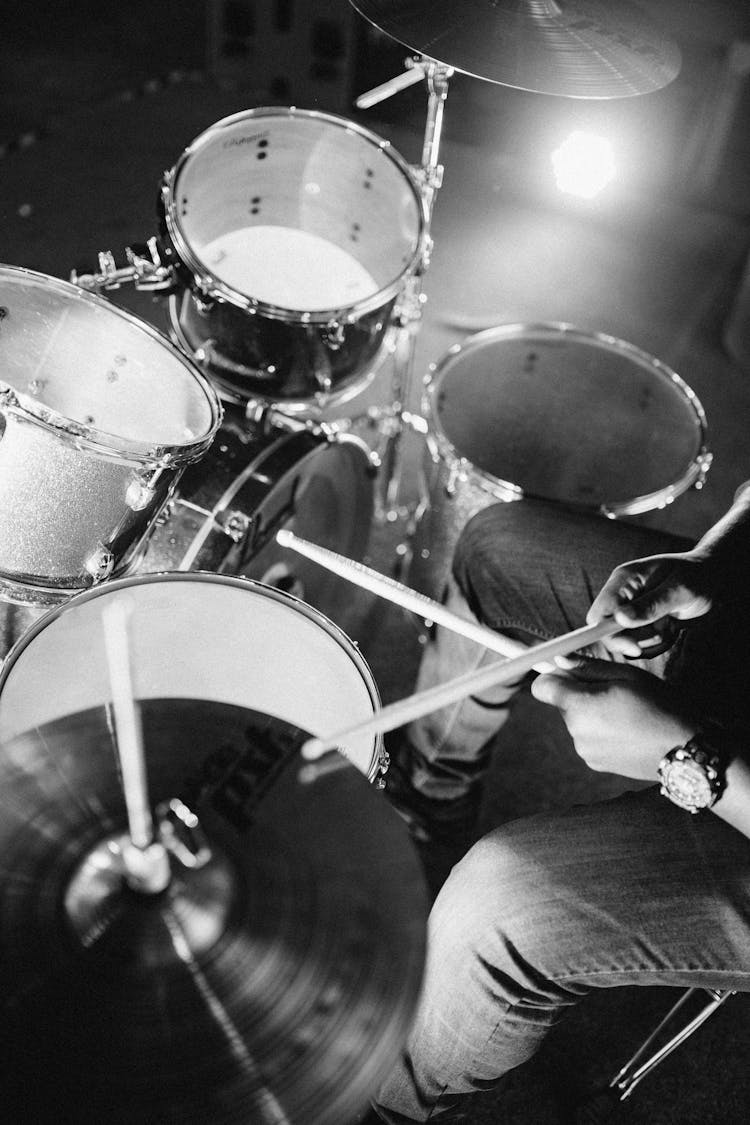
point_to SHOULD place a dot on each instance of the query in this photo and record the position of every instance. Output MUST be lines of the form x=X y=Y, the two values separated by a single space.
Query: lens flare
x=583 y=165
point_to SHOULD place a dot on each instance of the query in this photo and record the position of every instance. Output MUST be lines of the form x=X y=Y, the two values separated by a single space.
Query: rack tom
x=292 y=234
x=99 y=416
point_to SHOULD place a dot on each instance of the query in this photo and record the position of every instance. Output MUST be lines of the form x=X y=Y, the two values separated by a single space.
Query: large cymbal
x=573 y=48
x=273 y=983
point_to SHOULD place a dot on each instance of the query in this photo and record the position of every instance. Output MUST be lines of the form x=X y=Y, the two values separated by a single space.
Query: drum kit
x=271 y=975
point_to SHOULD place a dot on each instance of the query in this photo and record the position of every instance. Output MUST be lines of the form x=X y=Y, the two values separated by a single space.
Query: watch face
x=687 y=785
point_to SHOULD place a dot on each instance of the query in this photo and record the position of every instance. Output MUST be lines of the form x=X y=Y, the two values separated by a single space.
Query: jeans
x=530 y=570
x=632 y=891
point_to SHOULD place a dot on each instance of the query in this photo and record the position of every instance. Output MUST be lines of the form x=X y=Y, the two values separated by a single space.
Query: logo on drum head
x=234 y=780
x=237 y=142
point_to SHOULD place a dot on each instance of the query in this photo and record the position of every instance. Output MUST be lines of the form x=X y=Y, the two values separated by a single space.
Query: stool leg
x=635 y=1069
x=601 y=1104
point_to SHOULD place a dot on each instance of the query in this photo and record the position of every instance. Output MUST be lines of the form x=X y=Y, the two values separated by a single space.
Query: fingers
x=553 y=689
x=579 y=677
x=649 y=595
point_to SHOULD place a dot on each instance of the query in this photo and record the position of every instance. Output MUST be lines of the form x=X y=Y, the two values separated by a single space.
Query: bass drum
x=259 y=478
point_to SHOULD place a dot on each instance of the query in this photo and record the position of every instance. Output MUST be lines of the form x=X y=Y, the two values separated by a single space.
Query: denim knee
x=499 y=569
x=491 y=913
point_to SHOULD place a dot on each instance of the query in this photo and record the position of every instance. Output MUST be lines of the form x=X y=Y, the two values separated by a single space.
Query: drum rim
x=444 y=449
x=204 y=576
x=102 y=441
x=211 y=286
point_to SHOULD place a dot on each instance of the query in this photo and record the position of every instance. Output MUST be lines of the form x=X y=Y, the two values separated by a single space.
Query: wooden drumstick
x=504 y=671
x=407 y=598
x=146 y=861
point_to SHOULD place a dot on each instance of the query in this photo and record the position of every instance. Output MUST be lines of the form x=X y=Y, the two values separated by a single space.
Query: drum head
x=290 y=209
x=549 y=411
x=74 y=358
x=194 y=636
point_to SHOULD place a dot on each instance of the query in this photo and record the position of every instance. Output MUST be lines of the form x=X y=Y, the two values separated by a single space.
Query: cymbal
x=272 y=982
x=571 y=48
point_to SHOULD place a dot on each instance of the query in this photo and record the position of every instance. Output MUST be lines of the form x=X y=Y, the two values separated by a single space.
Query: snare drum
x=549 y=411
x=196 y=636
x=99 y=415
x=294 y=231
x=255 y=480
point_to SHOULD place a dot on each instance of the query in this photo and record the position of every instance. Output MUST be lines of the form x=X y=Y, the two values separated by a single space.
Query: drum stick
x=501 y=672
x=407 y=598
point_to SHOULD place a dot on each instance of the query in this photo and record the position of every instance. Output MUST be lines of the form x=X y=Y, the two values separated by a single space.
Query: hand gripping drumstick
x=501 y=672
x=413 y=707
x=409 y=599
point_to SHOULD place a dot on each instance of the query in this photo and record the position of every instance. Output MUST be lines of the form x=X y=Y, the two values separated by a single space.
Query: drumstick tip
x=312 y=749
x=285 y=538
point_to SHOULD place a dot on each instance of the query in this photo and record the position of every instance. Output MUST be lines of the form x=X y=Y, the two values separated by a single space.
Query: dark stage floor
x=96 y=103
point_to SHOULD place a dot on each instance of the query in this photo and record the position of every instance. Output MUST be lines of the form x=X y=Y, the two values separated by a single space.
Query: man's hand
x=650 y=595
x=621 y=719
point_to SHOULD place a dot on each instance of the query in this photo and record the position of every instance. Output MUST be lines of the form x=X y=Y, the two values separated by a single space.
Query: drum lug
x=325 y=383
x=454 y=477
x=203 y=294
x=384 y=761
x=334 y=334
x=165 y=514
x=234 y=523
x=142 y=489
x=100 y=563
x=203 y=304
x=8 y=399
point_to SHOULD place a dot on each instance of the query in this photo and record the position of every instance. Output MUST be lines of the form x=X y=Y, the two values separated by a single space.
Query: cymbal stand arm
x=145 y=859
x=429 y=177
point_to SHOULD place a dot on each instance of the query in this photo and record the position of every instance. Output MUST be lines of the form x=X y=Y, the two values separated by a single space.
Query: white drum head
x=69 y=352
x=263 y=198
x=195 y=636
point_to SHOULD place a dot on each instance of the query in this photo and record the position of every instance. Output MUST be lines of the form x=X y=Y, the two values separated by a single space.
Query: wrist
x=693 y=773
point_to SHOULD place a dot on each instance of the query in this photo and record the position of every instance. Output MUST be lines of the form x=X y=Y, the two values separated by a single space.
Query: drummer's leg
x=529 y=570
x=627 y=892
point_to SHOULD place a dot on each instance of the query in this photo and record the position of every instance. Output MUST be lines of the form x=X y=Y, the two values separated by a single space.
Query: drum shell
x=58 y=502
x=99 y=415
x=252 y=357
x=581 y=419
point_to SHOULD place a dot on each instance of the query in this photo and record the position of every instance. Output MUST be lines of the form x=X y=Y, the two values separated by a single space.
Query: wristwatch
x=693 y=776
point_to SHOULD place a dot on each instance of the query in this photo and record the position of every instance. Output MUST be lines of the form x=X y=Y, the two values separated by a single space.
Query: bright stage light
x=583 y=164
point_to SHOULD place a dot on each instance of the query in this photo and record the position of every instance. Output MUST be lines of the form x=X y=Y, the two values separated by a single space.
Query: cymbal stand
x=394 y=420
x=146 y=863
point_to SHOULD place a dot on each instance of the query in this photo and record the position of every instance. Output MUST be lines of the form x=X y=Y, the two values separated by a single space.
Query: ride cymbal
x=272 y=982
x=571 y=48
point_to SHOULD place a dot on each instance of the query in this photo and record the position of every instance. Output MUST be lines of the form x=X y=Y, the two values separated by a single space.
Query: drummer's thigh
x=533 y=567
x=629 y=891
